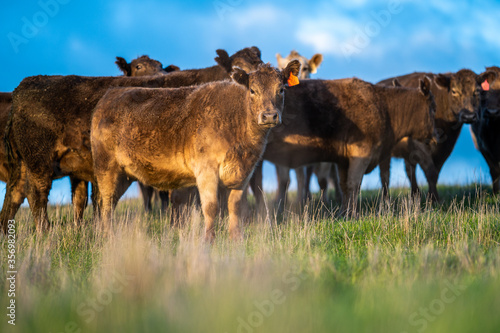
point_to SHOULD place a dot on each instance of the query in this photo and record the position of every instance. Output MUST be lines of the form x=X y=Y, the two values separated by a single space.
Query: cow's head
x=496 y=83
x=247 y=59
x=141 y=66
x=490 y=93
x=308 y=67
x=464 y=92
x=266 y=91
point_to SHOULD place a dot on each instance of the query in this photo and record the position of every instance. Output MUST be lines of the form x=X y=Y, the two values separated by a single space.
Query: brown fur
x=349 y=122
x=208 y=136
x=5 y=105
x=50 y=124
x=457 y=101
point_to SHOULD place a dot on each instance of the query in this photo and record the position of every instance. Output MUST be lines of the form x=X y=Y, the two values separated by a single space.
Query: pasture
x=402 y=266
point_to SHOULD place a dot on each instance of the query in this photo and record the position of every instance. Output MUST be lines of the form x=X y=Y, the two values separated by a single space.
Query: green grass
x=402 y=266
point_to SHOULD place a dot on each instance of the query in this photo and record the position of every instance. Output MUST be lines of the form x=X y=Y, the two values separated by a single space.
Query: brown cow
x=485 y=131
x=143 y=66
x=50 y=125
x=309 y=66
x=351 y=123
x=207 y=135
x=457 y=102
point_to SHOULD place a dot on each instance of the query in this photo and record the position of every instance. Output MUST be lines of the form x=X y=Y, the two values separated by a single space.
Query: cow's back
x=325 y=115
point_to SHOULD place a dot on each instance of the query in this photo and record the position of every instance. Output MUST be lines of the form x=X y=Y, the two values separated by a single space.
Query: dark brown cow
x=309 y=66
x=457 y=102
x=143 y=66
x=207 y=136
x=50 y=125
x=485 y=131
x=349 y=122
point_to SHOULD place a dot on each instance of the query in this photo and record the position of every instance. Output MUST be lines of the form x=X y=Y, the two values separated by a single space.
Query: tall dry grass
x=310 y=270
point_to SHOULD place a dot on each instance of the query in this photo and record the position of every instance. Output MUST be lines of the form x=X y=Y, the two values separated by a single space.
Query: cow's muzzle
x=492 y=113
x=269 y=118
x=467 y=117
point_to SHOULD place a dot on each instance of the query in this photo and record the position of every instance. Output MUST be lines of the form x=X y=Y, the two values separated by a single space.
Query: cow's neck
x=447 y=127
x=408 y=113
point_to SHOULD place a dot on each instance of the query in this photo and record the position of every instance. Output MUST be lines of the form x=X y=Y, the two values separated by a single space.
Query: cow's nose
x=492 y=112
x=468 y=117
x=269 y=118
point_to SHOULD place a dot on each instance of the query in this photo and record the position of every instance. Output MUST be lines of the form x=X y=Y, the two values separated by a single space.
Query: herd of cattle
x=202 y=134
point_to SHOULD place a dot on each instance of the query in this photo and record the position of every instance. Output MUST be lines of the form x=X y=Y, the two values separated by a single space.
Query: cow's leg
x=495 y=180
x=283 y=174
x=430 y=170
x=181 y=200
x=234 y=206
x=15 y=194
x=301 y=185
x=112 y=185
x=334 y=175
x=411 y=173
x=258 y=192
x=38 y=197
x=385 y=174
x=147 y=194
x=494 y=173
x=208 y=185
x=342 y=173
x=80 y=194
x=322 y=171
x=307 y=184
x=94 y=194
x=177 y=205
x=357 y=168
x=164 y=198
x=223 y=196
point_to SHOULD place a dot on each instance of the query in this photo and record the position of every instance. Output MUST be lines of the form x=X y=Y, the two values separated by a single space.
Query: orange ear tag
x=485 y=85
x=293 y=80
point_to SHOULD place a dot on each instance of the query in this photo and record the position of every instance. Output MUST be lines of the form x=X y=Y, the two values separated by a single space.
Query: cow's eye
x=282 y=90
x=455 y=92
x=138 y=66
x=252 y=91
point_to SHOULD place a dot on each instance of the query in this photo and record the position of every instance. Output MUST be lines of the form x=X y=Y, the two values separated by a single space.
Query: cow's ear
x=124 y=66
x=171 y=68
x=315 y=61
x=240 y=76
x=396 y=83
x=425 y=86
x=256 y=50
x=281 y=60
x=293 y=67
x=489 y=76
x=223 y=60
x=443 y=81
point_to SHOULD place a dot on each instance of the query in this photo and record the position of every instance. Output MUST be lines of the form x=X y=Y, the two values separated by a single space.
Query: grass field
x=399 y=267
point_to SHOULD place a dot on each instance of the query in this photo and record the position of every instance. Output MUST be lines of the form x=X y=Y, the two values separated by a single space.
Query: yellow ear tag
x=293 y=80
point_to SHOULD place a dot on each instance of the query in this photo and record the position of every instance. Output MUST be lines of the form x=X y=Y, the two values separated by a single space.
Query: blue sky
x=372 y=40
